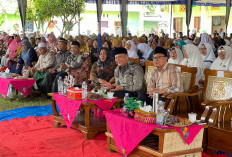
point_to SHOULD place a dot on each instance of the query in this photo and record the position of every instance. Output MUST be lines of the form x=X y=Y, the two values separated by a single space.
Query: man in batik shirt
x=129 y=76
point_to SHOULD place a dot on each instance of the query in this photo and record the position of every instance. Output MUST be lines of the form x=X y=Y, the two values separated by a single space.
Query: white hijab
x=209 y=57
x=224 y=64
x=132 y=53
x=146 y=49
x=206 y=39
x=178 y=59
x=194 y=58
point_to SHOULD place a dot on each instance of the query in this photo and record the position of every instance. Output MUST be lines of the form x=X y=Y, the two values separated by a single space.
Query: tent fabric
x=22 y=4
x=189 y=4
x=228 y=5
x=99 y=13
x=215 y=3
x=24 y=112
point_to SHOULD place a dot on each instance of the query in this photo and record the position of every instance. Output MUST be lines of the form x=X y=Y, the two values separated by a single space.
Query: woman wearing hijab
x=103 y=69
x=52 y=43
x=192 y=58
x=176 y=56
x=207 y=55
x=26 y=58
x=131 y=49
x=180 y=45
x=13 y=47
x=205 y=38
x=224 y=59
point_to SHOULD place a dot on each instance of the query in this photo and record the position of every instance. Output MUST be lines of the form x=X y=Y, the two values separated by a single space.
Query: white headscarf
x=227 y=42
x=178 y=59
x=194 y=58
x=209 y=57
x=146 y=49
x=224 y=64
x=132 y=53
x=206 y=39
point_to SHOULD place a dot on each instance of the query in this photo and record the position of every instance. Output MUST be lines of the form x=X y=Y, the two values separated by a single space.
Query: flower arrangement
x=130 y=105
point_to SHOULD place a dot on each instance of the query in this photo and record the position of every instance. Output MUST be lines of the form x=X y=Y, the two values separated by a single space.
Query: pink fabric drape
x=23 y=86
x=69 y=107
x=128 y=133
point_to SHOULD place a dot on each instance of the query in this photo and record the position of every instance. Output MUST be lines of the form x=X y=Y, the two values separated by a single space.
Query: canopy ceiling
x=215 y=3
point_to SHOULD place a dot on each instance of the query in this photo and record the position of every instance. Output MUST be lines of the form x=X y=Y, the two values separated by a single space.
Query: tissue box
x=144 y=117
x=73 y=93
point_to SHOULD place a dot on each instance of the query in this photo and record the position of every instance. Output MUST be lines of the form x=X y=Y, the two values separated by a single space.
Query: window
x=178 y=22
x=197 y=23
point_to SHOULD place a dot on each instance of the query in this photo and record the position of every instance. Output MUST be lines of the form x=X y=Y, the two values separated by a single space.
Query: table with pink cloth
x=69 y=107
x=128 y=133
x=22 y=85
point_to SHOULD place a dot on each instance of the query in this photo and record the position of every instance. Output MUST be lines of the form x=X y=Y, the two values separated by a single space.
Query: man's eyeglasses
x=159 y=57
x=221 y=51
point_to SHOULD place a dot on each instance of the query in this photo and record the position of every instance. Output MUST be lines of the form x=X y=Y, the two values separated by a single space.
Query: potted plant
x=130 y=105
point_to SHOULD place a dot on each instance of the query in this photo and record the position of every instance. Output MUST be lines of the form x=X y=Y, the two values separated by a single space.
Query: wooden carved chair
x=188 y=76
x=218 y=135
x=217 y=89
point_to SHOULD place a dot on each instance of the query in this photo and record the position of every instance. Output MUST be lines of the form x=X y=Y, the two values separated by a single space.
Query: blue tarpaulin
x=24 y=112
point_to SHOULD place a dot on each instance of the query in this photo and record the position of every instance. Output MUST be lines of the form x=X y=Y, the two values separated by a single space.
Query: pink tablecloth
x=69 y=107
x=128 y=133
x=22 y=85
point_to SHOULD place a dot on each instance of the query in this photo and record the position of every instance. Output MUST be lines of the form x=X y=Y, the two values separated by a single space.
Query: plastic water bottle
x=84 y=90
x=126 y=97
x=60 y=86
x=160 y=114
x=65 y=85
x=24 y=72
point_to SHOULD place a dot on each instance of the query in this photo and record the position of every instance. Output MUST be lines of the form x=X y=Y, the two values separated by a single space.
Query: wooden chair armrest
x=215 y=103
x=185 y=94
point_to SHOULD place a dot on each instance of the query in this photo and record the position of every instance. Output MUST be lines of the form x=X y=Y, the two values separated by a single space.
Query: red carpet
x=36 y=137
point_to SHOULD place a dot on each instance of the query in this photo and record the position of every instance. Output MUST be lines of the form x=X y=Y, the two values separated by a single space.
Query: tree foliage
x=45 y=10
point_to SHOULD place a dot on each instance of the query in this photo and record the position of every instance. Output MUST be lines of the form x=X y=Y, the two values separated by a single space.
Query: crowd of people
x=47 y=58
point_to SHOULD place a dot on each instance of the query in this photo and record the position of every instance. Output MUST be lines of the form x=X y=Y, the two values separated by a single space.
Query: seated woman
x=176 y=56
x=192 y=58
x=27 y=58
x=179 y=44
x=103 y=69
x=224 y=59
x=207 y=54
x=46 y=60
x=131 y=49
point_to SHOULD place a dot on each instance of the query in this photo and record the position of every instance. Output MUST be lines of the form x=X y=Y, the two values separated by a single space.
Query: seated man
x=46 y=60
x=62 y=56
x=74 y=61
x=129 y=76
x=165 y=78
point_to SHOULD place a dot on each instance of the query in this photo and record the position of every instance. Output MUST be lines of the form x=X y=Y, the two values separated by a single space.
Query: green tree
x=4 y=6
x=40 y=12
x=44 y=11
x=68 y=10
